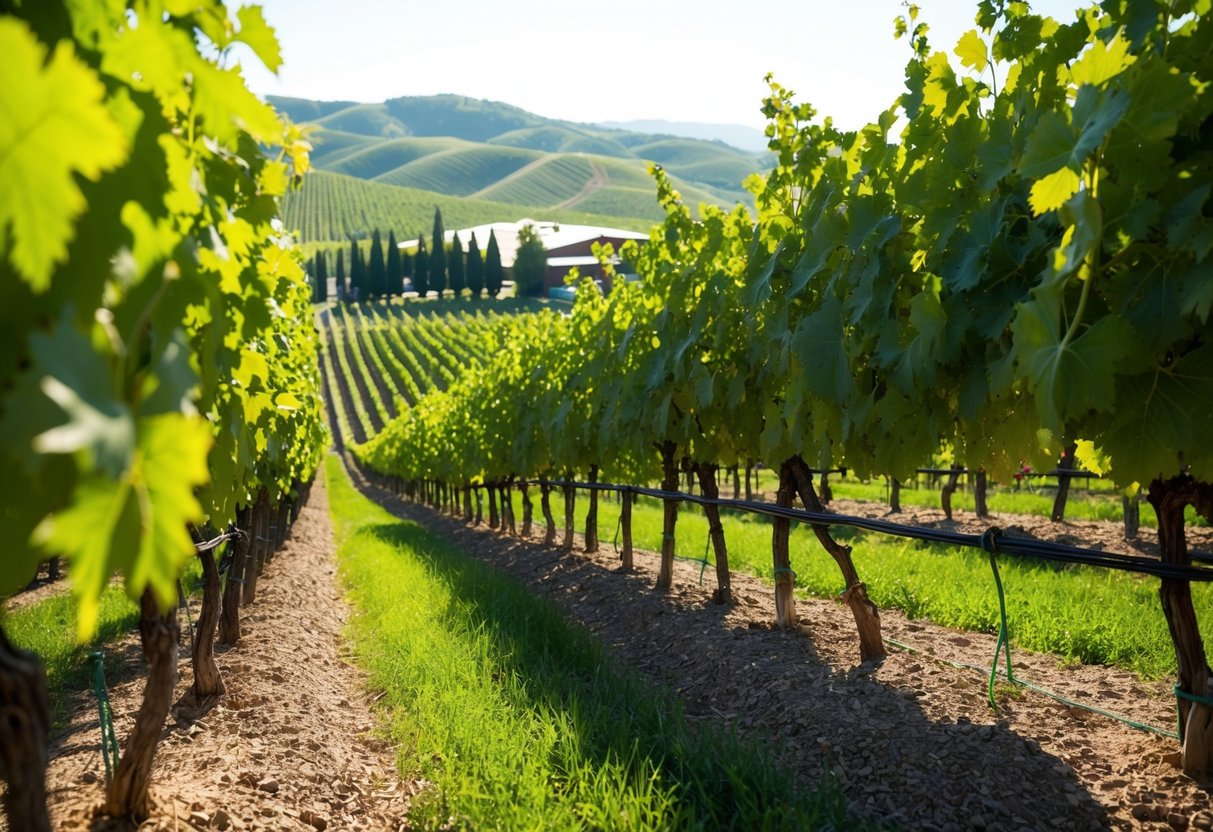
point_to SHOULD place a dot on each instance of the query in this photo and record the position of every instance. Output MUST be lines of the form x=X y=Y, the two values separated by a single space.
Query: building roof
x=553 y=234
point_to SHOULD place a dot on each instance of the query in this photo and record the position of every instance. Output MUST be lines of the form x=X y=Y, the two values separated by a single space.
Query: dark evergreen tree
x=376 y=274
x=475 y=268
x=342 y=289
x=438 y=256
x=394 y=273
x=455 y=266
x=494 y=274
x=530 y=263
x=358 y=287
x=421 y=270
x=322 y=277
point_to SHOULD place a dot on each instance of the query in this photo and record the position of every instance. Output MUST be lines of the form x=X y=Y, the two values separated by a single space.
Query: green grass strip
x=518 y=718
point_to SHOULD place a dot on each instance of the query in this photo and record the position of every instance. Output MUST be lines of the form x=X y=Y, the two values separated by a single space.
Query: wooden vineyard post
x=665 y=576
x=855 y=596
x=229 y=618
x=1063 y=483
x=736 y=482
x=710 y=489
x=528 y=510
x=827 y=495
x=207 y=679
x=127 y=795
x=570 y=505
x=25 y=724
x=591 y=516
x=785 y=583
x=894 y=495
x=749 y=470
x=945 y=494
x=467 y=504
x=979 y=494
x=545 y=504
x=1170 y=498
x=479 y=505
x=625 y=531
x=494 y=521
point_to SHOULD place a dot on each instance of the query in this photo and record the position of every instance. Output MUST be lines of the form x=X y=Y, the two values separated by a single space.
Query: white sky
x=681 y=60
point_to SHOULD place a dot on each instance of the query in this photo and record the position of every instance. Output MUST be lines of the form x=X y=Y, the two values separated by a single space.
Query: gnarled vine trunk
x=710 y=489
x=1132 y=512
x=494 y=520
x=625 y=531
x=894 y=495
x=945 y=494
x=785 y=583
x=855 y=596
x=127 y=795
x=1169 y=498
x=979 y=494
x=665 y=576
x=570 y=505
x=591 y=516
x=25 y=724
x=1063 y=483
x=528 y=510
x=252 y=563
x=507 y=507
x=545 y=504
x=207 y=679
x=229 y=618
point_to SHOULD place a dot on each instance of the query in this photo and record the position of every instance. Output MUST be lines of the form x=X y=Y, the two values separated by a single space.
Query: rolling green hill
x=463 y=147
x=462 y=170
x=380 y=157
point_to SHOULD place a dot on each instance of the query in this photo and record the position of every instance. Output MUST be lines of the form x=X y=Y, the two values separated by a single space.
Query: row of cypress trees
x=437 y=269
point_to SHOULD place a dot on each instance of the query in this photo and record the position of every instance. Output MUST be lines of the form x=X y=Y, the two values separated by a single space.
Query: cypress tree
x=394 y=272
x=438 y=256
x=475 y=269
x=421 y=270
x=455 y=266
x=342 y=289
x=494 y=274
x=357 y=272
x=322 y=277
x=376 y=275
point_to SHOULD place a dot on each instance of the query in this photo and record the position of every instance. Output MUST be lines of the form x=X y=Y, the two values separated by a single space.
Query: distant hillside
x=464 y=147
x=737 y=135
x=333 y=207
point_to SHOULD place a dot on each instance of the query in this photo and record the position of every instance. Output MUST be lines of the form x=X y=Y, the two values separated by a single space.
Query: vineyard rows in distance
x=1048 y=607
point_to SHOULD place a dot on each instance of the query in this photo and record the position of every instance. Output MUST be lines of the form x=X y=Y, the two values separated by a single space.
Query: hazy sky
x=682 y=60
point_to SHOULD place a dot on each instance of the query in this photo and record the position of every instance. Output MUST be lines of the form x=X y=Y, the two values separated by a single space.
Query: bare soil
x=290 y=746
x=912 y=740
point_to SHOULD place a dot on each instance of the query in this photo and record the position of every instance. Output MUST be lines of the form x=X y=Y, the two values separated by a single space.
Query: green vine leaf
x=53 y=125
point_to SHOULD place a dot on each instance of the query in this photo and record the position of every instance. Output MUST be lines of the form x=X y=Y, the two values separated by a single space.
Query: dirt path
x=911 y=740
x=289 y=747
x=599 y=178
